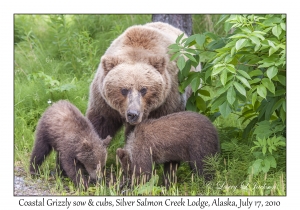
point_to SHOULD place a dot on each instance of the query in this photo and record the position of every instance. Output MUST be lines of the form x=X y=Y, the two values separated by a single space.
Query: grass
x=56 y=57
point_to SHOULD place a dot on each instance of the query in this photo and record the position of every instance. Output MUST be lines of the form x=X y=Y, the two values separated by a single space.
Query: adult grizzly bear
x=183 y=136
x=63 y=128
x=135 y=80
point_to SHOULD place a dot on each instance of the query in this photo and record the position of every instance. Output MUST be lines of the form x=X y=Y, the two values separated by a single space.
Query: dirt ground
x=26 y=187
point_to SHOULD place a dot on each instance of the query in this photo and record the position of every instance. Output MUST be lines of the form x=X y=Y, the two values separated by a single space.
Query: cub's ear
x=121 y=153
x=159 y=63
x=109 y=62
x=124 y=159
x=86 y=145
x=107 y=141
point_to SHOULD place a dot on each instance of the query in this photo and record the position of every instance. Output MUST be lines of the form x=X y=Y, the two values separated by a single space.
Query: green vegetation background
x=56 y=57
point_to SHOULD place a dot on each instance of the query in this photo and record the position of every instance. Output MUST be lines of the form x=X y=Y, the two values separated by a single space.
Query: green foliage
x=52 y=85
x=247 y=71
x=269 y=146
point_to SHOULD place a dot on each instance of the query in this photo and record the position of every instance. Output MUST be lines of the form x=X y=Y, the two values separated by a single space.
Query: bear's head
x=135 y=87
x=92 y=154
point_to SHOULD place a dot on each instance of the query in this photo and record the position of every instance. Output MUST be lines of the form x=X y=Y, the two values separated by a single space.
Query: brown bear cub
x=182 y=136
x=80 y=150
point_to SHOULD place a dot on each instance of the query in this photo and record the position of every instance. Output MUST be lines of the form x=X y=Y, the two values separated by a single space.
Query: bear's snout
x=132 y=116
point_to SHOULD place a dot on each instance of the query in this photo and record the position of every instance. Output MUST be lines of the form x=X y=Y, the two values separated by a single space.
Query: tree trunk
x=182 y=22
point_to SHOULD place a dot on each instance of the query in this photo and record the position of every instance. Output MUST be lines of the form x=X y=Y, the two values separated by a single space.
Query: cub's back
x=63 y=119
x=175 y=127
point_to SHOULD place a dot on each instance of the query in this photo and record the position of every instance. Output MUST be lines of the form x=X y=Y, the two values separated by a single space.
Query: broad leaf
x=282 y=79
x=225 y=109
x=217 y=70
x=186 y=69
x=276 y=30
x=175 y=47
x=269 y=85
x=181 y=63
x=190 y=105
x=277 y=104
x=272 y=50
x=244 y=81
x=258 y=34
x=189 y=40
x=256 y=166
x=200 y=103
x=216 y=103
x=204 y=92
x=240 y=44
x=262 y=91
x=231 y=68
x=244 y=74
x=265 y=165
x=175 y=56
x=195 y=84
x=179 y=38
x=254 y=97
x=190 y=57
x=223 y=77
x=256 y=72
x=272 y=71
x=231 y=95
x=284 y=106
x=272 y=161
x=200 y=39
x=271 y=43
x=282 y=25
x=255 y=40
x=240 y=88
x=237 y=36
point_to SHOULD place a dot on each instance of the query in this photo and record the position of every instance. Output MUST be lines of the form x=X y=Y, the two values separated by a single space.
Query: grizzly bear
x=135 y=80
x=64 y=129
x=182 y=136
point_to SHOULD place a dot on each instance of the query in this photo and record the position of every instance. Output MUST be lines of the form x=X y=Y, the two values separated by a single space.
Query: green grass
x=56 y=58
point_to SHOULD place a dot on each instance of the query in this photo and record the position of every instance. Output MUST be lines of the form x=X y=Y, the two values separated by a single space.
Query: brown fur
x=63 y=128
x=137 y=59
x=183 y=136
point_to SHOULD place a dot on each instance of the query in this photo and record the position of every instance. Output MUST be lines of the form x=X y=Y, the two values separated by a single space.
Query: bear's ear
x=121 y=153
x=107 y=141
x=124 y=159
x=86 y=145
x=159 y=63
x=109 y=62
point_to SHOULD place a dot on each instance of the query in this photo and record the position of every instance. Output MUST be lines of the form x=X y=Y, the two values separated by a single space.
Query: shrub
x=246 y=69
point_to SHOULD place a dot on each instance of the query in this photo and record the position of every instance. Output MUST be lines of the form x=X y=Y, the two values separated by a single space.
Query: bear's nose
x=132 y=115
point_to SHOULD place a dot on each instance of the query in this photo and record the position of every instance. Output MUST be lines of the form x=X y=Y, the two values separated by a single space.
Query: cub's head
x=135 y=87
x=92 y=154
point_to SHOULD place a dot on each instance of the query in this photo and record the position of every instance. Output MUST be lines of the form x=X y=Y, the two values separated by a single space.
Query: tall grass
x=56 y=57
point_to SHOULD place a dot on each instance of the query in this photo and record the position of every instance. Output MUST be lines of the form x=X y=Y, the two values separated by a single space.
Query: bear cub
x=182 y=136
x=64 y=129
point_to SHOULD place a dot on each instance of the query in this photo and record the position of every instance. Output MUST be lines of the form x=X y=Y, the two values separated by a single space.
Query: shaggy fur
x=135 y=80
x=63 y=128
x=183 y=136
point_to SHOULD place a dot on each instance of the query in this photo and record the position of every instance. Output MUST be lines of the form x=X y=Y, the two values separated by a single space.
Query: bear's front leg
x=106 y=121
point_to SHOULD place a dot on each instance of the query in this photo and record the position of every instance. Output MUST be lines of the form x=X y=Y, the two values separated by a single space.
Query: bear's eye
x=143 y=91
x=124 y=91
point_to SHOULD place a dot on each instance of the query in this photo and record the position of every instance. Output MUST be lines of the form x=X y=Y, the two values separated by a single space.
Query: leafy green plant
x=268 y=144
x=53 y=85
x=246 y=69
